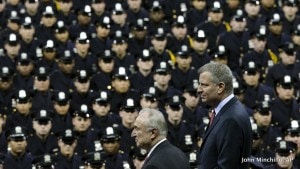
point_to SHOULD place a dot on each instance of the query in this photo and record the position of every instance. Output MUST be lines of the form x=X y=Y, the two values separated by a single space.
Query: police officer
x=199 y=52
x=138 y=156
x=83 y=24
x=99 y=10
x=103 y=117
x=3 y=142
x=290 y=18
x=157 y=17
x=81 y=93
x=49 y=56
x=11 y=51
x=106 y=66
x=143 y=77
x=128 y=113
x=101 y=41
x=285 y=154
x=113 y=156
x=196 y=14
x=236 y=40
x=284 y=107
x=84 y=59
x=42 y=140
x=291 y=132
x=286 y=66
x=149 y=98
x=122 y=56
x=17 y=157
x=121 y=89
x=180 y=133
x=159 y=50
x=62 y=111
x=66 y=12
x=23 y=78
x=135 y=10
x=62 y=78
x=6 y=90
x=215 y=25
x=66 y=157
x=183 y=74
x=42 y=93
x=81 y=121
x=139 y=39
x=118 y=16
x=45 y=30
x=62 y=39
x=179 y=33
x=252 y=15
x=254 y=89
x=21 y=116
x=28 y=40
x=220 y=55
x=93 y=160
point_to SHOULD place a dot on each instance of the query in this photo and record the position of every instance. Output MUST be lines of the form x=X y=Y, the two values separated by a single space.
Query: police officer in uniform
x=157 y=17
x=143 y=78
x=23 y=78
x=149 y=98
x=6 y=87
x=45 y=161
x=62 y=78
x=180 y=133
x=101 y=80
x=66 y=157
x=103 y=117
x=113 y=156
x=17 y=157
x=21 y=116
x=62 y=111
x=284 y=107
x=42 y=140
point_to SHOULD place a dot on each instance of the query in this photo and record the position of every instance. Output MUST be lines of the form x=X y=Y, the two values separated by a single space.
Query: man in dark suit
x=228 y=137
x=150 y=131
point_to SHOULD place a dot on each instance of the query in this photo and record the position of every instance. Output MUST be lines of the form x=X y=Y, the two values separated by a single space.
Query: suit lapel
x=217 y=118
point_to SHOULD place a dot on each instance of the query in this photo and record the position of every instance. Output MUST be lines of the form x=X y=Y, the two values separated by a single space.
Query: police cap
x=61 y=97
x=16 y=133
x=121 y=73
x=291 y=128
x=285 y=82
x=175 y=102
x=93 y=159
x=109 y=134
x=285 y=148
x=5 y=74
x=83 y=111
x=67 y=136
x=42 y=73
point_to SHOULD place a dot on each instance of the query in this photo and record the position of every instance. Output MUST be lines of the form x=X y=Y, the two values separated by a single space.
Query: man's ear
x=221 y=87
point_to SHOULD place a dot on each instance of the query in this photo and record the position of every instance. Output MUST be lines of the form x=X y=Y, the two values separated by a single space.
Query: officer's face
x=128 y=118
x=65 y=6
x=101 y=110
x=162 y=79
x=285 y=161
x=251 y=9
x=102 y=32
x=156 y=16
x=159 y=45
x=23 y=108
x=200 y=46
x=287 y=59
x=25 y=70
x=119 y=49
x=81 y=124
x=295 y=139
x=61 y=109
x=259 y=45
x=62 y=36
x=66 y=67
x=41 y=85
x=17 y=147
x=134 y=4
x=82 y=48
x=184 y=63
x=191 y=101
x=251 y=80
x=111 y=147
x=67 y=149
x=98 y=7
x=275 y=29
x=84 y=19
x=106 y=67
x=174 y=115
x=12 y=51
x=82 y=87
x=119 y=19
x=238 y=26
x=121 y=85
x=48 y=21
x=262 y=120
x=284 y=94
x=267 y=3
x=199 y=4
x=209 y=92
x=31 y=7
x=145 y=65
x=42 y=129
x=147 y=103
x=179 y=32
x=216 y=17
x=5 y=85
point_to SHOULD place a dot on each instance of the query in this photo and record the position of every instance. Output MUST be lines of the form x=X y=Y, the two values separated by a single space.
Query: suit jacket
x=228 y=139
x=166 y=156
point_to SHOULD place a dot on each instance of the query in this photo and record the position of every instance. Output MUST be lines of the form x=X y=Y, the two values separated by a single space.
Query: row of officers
x=113 y=147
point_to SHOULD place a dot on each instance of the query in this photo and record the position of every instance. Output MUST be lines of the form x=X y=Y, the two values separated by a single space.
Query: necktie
x=212 y=116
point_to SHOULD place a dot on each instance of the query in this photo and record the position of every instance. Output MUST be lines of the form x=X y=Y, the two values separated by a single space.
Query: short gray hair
x=220 y=73
x=155 y=120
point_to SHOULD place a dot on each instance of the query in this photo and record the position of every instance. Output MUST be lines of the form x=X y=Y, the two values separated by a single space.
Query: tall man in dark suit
x=150 y=131
x=227 y=140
